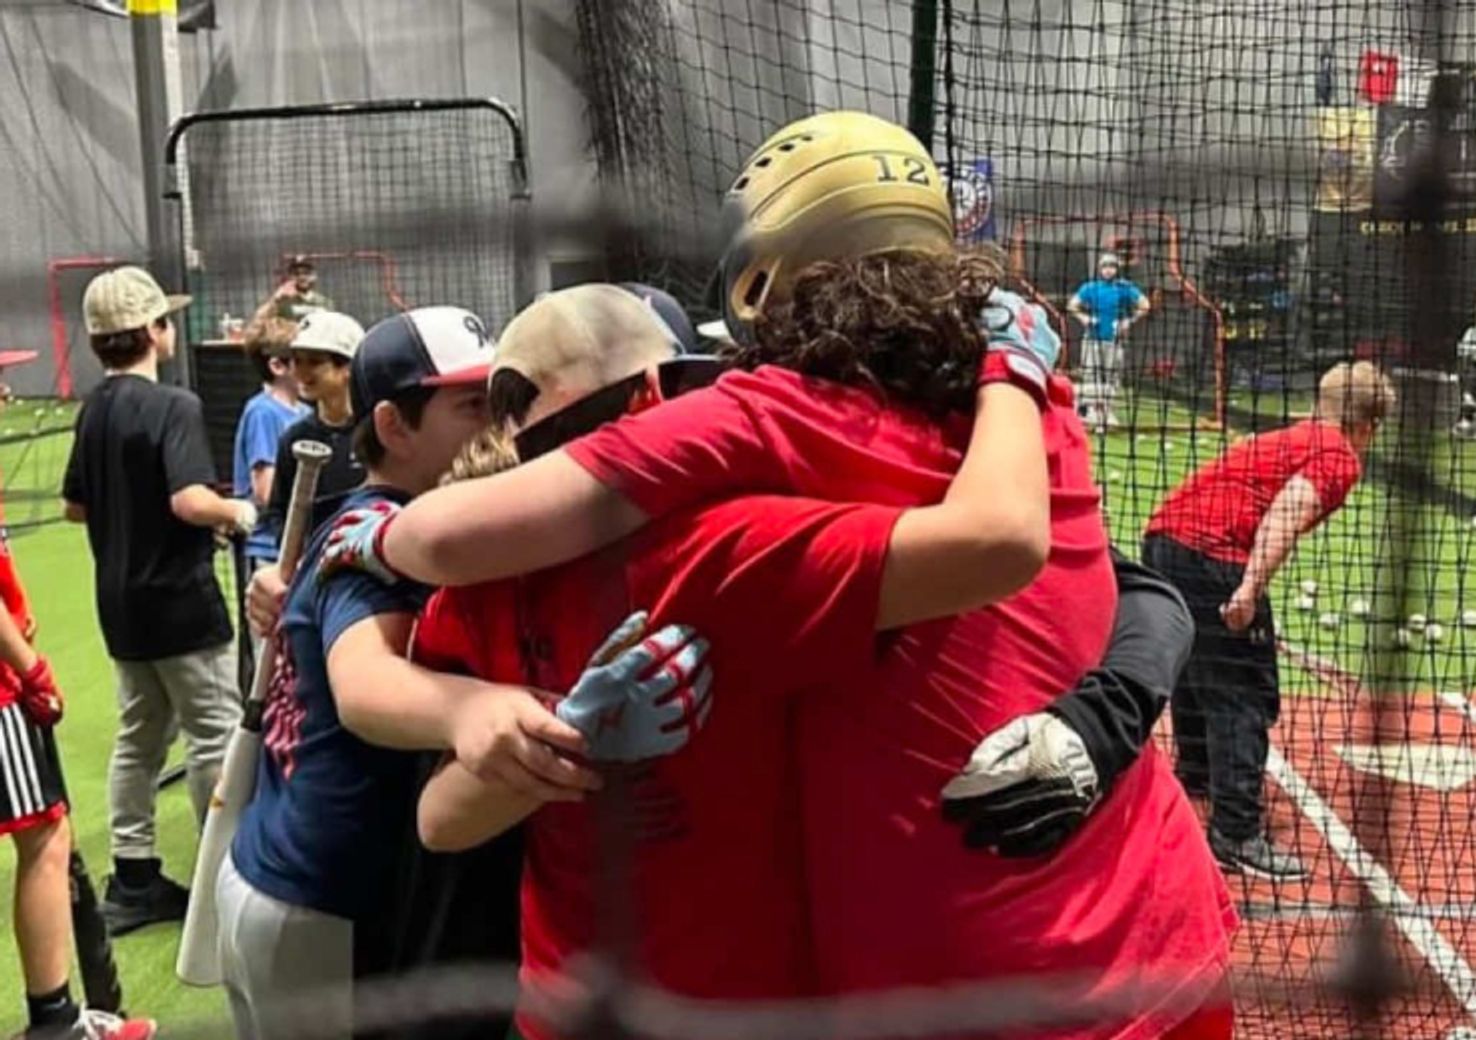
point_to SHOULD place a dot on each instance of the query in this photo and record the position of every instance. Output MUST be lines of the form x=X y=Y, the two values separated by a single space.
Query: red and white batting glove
x=639 y=700
x=356 y=542
x=1022 y=347
x=39 y=697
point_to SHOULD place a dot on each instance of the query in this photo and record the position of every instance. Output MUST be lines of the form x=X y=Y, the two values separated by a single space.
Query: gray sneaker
x=1257 y=857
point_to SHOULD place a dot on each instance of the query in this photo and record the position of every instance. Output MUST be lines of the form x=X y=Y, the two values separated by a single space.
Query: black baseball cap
x=426 y=346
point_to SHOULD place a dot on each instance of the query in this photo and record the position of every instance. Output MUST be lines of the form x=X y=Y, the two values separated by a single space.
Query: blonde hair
x=488 y=453
x=1353 y=393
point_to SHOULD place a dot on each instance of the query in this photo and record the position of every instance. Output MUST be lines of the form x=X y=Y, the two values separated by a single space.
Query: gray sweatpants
x=194 y=692
x=1101 y=374
x=278 y=959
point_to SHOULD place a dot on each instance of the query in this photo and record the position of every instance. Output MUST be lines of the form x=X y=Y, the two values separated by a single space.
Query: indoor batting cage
x=1251 y=224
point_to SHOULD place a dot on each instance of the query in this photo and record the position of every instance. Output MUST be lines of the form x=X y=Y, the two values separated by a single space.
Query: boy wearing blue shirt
x=304 y=895
x=265 y=416
x=1106 y=306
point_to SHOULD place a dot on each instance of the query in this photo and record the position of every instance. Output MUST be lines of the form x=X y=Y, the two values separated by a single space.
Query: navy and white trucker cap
x=427 y=346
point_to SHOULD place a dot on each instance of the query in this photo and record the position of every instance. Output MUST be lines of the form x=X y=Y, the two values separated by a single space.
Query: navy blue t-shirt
x=325 y=827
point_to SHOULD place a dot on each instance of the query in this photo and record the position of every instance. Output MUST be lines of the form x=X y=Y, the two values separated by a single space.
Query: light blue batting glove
x=1013 y=321
x=639 y=700
x=356 y=542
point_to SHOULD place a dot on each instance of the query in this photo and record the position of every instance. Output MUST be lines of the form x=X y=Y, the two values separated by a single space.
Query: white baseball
x=1361 y=608
x=1434 y=632
x=1418 y=621
x=1309 y=586
x=1468 y=618
x=1402 y=637
x=1329 y=620
x=1305 y=603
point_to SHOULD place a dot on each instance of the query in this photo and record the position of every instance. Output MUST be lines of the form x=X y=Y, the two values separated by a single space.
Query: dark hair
x=122 y=349
x=510 y=396
x=411 y=405
x=904 y=323
x=267 y=338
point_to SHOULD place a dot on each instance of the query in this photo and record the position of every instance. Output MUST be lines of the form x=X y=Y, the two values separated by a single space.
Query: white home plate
x=1442 y=767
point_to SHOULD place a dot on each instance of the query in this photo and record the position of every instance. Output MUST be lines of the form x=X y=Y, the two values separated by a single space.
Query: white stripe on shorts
x=8 y=762
x=28 y=756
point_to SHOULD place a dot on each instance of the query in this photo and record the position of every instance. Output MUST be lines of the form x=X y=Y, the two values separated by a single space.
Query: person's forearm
x=14 y=648
x=261 y=484
x=199 y=506
x=391 y=702
x=990 y=535
x=458 y=811
x=1116 y=705
x=545 y=512
x=1275 y=539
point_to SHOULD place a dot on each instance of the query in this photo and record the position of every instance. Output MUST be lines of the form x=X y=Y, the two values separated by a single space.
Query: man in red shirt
x=1221 y=536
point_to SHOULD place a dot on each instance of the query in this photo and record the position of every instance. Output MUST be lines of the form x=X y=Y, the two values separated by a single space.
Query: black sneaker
x=1256 y=856
x=126 y=908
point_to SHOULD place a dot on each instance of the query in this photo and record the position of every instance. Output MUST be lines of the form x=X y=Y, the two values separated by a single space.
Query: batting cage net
x=391 y=204
x=1286 y=187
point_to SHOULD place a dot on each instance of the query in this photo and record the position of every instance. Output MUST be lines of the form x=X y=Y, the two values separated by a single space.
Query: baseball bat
x=198 y=963
x=94 y=945
x=90 y=934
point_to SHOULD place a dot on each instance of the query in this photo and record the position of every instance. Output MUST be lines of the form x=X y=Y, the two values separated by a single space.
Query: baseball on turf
x=1418 y=621
x=1434 y=632
x=1402 y=637
x=1309 y=586
x=1305 y=603
x=1329 y=620
x=1468 y=618
x=1360 y=608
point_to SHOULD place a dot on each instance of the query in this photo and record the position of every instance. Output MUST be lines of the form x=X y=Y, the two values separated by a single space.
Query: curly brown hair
x=904 y=323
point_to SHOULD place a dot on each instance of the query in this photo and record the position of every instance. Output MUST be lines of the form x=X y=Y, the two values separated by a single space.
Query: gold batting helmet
x=837 y=184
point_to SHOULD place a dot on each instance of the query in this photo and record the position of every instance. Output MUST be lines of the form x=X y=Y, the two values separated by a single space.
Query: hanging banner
x=972 y=189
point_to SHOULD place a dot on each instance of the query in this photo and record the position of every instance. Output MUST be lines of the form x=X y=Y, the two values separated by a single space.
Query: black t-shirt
x=341 y=475
x=138 y=443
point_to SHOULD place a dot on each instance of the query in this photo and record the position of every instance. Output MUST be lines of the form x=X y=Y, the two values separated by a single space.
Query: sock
x=135 y=873
x=52 y=1010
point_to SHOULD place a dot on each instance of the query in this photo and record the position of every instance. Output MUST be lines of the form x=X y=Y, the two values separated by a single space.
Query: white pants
x=277 y=958
x=194 y=692
x=1101 y=375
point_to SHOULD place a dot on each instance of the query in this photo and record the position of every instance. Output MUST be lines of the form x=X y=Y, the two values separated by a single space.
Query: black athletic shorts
x=31 y=791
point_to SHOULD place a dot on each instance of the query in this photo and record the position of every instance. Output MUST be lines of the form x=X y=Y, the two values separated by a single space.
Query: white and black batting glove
x=246 y=517
x=1026 y=788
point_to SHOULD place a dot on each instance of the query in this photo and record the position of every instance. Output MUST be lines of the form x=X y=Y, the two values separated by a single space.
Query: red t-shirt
x=895 y=898
x=715 y=893
x=1219 y=508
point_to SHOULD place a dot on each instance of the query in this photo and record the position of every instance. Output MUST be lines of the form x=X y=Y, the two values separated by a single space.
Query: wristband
x=1020 y=367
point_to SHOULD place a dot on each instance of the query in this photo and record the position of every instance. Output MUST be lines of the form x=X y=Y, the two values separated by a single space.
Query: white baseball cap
x=126 y=298
x=328 y=332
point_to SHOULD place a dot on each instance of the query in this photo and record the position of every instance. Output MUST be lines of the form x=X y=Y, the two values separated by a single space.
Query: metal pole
x=156 y=67
x=921 y=91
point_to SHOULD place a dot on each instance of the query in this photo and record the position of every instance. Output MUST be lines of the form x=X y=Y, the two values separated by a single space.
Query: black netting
x=1290 y=186
x=396 y=204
